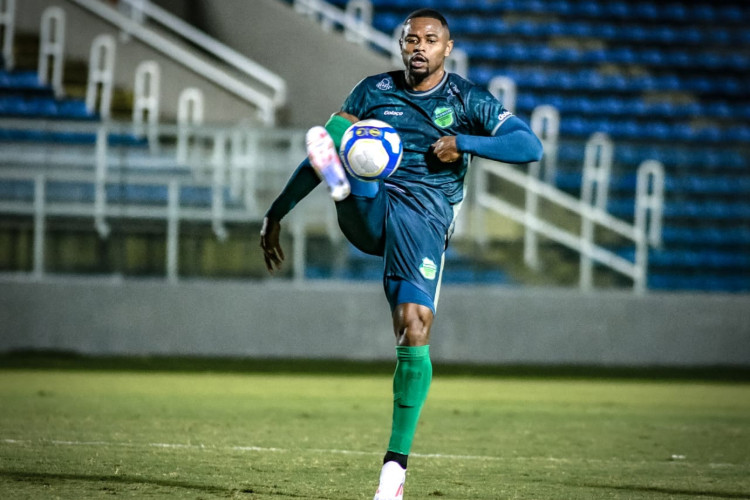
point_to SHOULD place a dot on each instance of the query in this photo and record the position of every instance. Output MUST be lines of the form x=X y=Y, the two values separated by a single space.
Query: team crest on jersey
x=384 y=84
x=428 y=269
x=443 y=117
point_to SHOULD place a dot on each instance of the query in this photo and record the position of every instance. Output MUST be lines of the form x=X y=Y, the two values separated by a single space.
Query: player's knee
x=411 y=324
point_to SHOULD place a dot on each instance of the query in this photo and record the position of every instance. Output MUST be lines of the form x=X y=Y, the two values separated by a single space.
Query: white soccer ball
x=371 y=149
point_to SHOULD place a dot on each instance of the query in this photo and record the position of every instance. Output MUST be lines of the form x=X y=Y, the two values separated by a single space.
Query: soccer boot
x=391 y=486
x=325 y=160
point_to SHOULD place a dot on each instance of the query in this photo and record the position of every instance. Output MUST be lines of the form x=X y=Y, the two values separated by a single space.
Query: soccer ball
x=371 y=149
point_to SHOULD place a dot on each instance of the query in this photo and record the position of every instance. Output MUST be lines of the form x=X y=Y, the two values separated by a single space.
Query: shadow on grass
x=62 y=360
x=43 y=478
x=667 y=491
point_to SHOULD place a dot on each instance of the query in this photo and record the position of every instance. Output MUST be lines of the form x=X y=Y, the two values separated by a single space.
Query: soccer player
x=407 y=218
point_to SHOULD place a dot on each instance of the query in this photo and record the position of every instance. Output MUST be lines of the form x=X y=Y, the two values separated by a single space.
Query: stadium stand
x=668 y=81
x=665 y=81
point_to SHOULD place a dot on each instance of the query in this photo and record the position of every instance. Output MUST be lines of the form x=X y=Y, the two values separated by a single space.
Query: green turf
x=76 y=434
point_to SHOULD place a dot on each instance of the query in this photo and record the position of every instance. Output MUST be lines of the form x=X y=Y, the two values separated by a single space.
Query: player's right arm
x=299 y=185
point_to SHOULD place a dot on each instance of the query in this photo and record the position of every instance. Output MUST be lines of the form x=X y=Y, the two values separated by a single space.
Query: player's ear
x=448 y=48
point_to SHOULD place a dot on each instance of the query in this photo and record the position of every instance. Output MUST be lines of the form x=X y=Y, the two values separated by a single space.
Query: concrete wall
x=320 y=68
x=342 y=320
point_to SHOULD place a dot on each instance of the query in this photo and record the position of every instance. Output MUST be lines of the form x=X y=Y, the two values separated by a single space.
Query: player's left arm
x=512 y=142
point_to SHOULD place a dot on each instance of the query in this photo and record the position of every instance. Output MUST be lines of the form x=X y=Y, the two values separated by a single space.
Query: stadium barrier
x=106 y=172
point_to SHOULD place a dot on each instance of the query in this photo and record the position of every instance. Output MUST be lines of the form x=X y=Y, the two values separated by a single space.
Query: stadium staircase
x=665 y=81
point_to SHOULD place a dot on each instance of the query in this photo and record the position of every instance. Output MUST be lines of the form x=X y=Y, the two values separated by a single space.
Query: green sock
x=336 y=126
x=411 y=382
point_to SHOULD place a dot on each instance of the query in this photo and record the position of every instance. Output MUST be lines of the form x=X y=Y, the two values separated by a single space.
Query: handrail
x=362 y=31
x=266 y=104
x=590 y=214
x=211 y=45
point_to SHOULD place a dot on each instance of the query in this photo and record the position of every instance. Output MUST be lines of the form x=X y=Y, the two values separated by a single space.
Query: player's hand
x=269 y=242
x=445 y=149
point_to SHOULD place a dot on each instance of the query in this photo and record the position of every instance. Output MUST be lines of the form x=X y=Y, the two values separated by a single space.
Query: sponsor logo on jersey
x=388 y=112
x=503 y=116
x=384 y=84
x=428 y=269
x=443 y=117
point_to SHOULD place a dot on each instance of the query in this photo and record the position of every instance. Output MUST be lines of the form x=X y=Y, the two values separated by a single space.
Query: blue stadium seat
x=70 y=192
x=468 y=25
x=481 y=75
x=702 y=13
x=74 y=109
x=559 y=7
x=618 y=10
x=16 y=190
x=196 y=196
x=693 y=35
x=739 y=134
x=386 y=21
x=23 y=80
x=731 y=14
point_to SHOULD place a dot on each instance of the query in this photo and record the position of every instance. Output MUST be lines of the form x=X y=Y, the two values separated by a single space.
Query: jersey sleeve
x=486 y=112
x=356 y=100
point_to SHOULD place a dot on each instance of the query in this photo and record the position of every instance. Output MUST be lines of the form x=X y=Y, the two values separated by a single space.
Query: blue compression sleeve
x=514 y=142
x=299 y=185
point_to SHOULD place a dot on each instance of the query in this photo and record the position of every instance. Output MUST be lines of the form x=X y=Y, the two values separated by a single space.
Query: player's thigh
x=362 y=220
x=413 y=258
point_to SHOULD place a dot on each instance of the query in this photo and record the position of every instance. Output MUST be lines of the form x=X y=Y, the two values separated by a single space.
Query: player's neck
x=427 y=83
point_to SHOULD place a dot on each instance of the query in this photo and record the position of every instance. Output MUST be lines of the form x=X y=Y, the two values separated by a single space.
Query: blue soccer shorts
x=396 y=226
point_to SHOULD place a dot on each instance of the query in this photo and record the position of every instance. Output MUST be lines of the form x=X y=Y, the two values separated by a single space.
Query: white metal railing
x=545 y=122
x=355 y=27
x=226 y=170
x=146 y=10
x=504 y=89
x=649 y=201
x=266 y=100
x=52 y=48
x=101 y=75
x=146 y=102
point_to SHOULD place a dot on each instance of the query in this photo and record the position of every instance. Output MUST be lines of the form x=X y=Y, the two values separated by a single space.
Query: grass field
x=75 y=434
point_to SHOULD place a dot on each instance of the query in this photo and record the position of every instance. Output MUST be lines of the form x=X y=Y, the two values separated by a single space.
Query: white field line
x=262 y=449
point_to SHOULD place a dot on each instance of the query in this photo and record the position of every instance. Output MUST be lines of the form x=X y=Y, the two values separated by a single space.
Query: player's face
x=425 y=44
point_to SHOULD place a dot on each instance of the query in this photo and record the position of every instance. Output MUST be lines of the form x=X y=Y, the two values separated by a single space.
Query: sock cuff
x=412 y=352
x=336 y=126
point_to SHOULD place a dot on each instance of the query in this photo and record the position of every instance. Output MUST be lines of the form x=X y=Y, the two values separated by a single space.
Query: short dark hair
x=429 y=13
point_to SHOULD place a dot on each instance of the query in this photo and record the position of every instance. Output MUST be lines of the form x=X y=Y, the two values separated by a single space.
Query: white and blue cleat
x=326 y=162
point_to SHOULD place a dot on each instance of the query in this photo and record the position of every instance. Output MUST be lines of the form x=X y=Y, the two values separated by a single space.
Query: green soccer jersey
x=454 y=107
